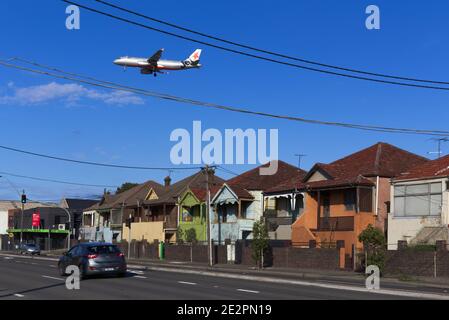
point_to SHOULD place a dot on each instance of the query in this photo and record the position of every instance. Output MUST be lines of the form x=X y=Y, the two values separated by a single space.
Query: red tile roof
x=381 y=159
x=252 y=180
x=432 y=169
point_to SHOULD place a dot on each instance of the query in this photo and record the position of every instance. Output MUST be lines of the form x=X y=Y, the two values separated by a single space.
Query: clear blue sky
x=94 y=126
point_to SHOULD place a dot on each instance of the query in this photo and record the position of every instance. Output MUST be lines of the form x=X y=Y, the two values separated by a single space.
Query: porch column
x=318 y=209
x=240 y=209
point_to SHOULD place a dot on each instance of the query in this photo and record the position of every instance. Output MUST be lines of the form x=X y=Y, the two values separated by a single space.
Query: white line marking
x=135 y=271
x=392 y=292
x=50 y=265
x=185 y=282
x=33 y=263
x=8 y=258
x=19 y=295
x=140 y=277
x=54 y=278
x=250 y=291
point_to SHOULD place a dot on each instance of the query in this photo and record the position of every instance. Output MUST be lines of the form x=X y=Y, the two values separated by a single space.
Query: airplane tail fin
x=195 y=56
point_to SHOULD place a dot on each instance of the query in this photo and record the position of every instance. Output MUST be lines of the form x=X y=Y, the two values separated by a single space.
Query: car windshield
x=103 y=249
x=31 y=245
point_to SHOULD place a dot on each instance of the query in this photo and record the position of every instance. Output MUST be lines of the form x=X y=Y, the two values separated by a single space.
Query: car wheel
x=121 y=274
x=61 y=270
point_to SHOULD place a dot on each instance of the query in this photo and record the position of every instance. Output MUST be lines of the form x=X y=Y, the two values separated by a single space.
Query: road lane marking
x=344 y=287
x=8 y=258
x=19 y=295
x=33 y=263
x=140 y=277
x=54 y=278
x=53 y=266
x=249 y=291
x=185 y=282
x=135 y=271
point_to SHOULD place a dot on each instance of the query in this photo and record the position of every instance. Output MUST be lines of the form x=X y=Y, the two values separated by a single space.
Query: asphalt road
x=25 y=278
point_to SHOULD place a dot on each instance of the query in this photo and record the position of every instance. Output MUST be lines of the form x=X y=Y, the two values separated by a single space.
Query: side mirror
x=65 y=253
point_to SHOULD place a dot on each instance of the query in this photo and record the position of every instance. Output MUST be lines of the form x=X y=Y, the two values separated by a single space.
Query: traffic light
x=24 y=198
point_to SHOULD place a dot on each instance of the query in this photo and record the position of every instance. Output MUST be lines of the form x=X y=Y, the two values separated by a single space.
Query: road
x=26 y=278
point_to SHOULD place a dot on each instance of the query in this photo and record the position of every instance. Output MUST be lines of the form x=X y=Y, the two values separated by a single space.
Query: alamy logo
x=372 y=22
x=73 y=20
x=231 y=149
x=73 y=280
x=372 y=282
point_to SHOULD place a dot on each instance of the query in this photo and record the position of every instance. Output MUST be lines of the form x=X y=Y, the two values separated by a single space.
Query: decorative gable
x=225 y=195
x=151 y=195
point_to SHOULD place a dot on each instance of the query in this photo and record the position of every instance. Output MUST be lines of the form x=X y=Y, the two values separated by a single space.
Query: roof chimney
x=167 y=181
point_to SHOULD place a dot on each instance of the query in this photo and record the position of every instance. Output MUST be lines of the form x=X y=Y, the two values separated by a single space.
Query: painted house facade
x=234 y=213
x=344 y=197
x=159 y=215
x=241 y=202
x=419 y=205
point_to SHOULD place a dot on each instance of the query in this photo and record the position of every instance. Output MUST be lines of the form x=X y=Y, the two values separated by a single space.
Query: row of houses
x=401 y=193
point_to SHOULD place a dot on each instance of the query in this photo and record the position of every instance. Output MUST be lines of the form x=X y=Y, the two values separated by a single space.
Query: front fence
x=280 y=254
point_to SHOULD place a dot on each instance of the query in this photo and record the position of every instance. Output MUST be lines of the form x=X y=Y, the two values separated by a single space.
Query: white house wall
x=3 y=222
x=406 y=228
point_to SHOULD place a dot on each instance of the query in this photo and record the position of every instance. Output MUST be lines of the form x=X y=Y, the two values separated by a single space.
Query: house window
x=365 y=200
x=349 y=198
x=224 y=214
x=418 y=200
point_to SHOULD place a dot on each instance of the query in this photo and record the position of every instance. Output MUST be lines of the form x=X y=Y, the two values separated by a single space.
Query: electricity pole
x=207 y=170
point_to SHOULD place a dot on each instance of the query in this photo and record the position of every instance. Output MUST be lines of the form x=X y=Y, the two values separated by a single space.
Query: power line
x=94 y=163
x=254 y=55
x=277 y=54
x=57 y=181
x=99 y=83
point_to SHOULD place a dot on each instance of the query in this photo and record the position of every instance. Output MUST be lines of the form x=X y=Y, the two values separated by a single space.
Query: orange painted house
x=342 y=198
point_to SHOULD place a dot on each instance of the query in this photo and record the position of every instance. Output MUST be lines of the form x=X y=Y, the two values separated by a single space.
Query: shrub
x=190 y=235
x=374 y=243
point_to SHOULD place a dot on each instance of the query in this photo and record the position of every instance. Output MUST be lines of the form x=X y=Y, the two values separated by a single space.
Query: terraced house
x=343 y=197
x=165 y=208
x=240 y=202
x=104 y=220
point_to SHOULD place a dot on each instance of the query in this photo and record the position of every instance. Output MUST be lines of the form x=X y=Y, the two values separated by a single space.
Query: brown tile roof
x=170 y=194
x=128 y=197
x=432 y=169
x=252 y=180
x=381 y=159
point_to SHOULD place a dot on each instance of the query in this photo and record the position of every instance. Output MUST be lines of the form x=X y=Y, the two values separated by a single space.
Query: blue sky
x=50 y=116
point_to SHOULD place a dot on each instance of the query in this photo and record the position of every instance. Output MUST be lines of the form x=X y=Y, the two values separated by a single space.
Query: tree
x=190 y=235
x=125 y=186
x=374 y=242
x=260 y=242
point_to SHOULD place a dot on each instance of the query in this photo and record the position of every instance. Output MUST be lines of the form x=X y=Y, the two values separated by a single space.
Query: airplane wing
x=155 y=57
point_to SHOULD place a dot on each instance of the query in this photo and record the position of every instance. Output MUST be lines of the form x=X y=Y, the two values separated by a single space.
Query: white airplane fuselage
x=147 y=67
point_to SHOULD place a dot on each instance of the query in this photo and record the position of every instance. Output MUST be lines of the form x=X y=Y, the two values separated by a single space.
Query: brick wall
x=279 y=256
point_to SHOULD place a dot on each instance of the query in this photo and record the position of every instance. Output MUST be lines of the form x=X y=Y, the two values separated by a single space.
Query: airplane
x=155 y=64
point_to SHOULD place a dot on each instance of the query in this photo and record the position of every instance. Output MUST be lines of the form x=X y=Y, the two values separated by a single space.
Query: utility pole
x=299 y=155
x=207 y=170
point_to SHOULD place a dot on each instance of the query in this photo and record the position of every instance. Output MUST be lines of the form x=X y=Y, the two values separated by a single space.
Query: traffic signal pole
x=23 y=200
